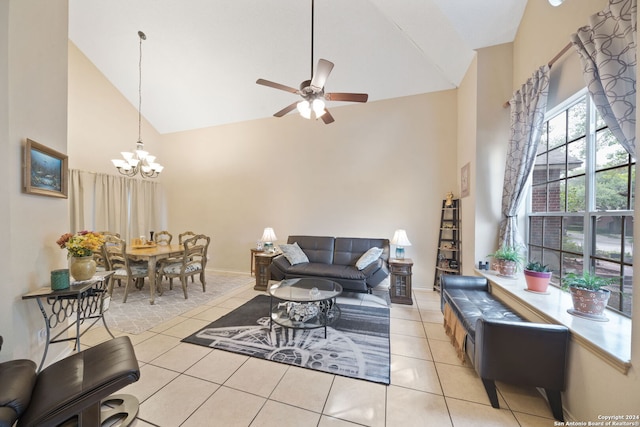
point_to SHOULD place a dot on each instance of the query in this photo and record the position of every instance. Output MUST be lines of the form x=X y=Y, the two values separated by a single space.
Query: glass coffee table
x=306 y=303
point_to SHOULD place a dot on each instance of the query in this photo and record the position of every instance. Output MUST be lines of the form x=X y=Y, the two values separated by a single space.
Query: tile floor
x=189 y=385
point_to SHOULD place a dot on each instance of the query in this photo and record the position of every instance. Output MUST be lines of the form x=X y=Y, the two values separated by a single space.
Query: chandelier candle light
x=140 y=161
x=268 y=237
x=401 y=240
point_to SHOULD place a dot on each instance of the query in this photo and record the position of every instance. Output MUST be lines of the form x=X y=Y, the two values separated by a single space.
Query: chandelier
x=139 y=161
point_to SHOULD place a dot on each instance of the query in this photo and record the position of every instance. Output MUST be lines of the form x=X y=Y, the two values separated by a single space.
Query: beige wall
x=380 y=166
x=483 y=128
x=102 y=122
x=33 y=90
x=467 y=136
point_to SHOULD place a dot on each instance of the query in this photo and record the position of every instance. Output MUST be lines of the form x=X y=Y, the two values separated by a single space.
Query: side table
x=88 y=299
x=400 y=289
x=263 y=275
x=254 y=251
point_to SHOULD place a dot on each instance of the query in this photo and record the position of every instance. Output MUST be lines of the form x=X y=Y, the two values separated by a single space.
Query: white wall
x=33 y=80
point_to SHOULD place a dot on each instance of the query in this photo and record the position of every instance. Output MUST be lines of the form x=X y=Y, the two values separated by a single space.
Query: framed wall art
x=45 y=171
x=464 y=181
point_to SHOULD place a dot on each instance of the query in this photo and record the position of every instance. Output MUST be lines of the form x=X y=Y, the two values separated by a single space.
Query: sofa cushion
x=317 y=249
x=327 y=271
x=294 y=254
x=368 y=257
x=471 y=305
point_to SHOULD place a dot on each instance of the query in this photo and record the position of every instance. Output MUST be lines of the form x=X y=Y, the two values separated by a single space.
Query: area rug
x=357 y=345
x=137 y=315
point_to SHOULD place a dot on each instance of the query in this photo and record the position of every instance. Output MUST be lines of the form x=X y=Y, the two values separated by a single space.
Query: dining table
x=152 y=254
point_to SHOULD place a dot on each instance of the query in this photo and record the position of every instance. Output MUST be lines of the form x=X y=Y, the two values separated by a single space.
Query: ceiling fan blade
x=327 y=117
x=276 y=85
x=351 y=97
x=286 y=110
x=322 y=72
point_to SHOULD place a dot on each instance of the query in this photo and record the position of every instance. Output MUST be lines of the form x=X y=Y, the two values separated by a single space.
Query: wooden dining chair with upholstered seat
x=193 y=262
x=115 y=254
x=184 y=236
x=181 y=238
x=98 y=257
x=162 y=237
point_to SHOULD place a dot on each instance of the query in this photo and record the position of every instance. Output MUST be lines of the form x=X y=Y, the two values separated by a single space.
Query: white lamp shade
x=400 y=238
x=555 y=3
x=269 y=235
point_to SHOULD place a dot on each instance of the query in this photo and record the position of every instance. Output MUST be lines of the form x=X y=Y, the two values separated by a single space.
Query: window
x=581 y=200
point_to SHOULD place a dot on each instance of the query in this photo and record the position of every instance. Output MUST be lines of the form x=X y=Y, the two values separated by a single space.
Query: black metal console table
x=87 y=299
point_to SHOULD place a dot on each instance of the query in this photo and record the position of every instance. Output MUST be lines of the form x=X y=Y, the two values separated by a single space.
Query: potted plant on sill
x=537 y=276
x=507 y=260
x=588 y=293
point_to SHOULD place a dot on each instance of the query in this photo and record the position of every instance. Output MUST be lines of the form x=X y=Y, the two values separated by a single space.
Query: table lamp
x=268 y=237
x=401 y=240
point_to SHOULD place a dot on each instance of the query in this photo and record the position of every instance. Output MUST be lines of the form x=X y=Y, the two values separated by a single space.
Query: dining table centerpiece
x=80 y=249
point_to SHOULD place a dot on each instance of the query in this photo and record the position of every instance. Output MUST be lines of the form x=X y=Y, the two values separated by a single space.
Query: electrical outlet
x=42 y=336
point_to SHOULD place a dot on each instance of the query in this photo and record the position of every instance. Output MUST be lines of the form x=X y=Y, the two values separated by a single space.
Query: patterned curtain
x=607 y=48
x=528 y=106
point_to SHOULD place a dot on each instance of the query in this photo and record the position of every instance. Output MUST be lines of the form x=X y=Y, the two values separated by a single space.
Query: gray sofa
x=335 y=258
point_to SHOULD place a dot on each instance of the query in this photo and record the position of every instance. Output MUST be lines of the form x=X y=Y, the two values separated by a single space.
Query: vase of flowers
x=80 y=249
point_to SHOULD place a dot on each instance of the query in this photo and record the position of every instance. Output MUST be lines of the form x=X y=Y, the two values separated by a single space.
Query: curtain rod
x=550 y=63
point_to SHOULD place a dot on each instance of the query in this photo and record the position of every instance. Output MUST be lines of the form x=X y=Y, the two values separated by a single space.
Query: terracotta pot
x=506 y=267
x=537 y=281
x=590 y=302
x=82 y=268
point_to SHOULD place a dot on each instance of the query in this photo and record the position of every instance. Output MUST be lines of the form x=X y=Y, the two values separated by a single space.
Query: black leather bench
x=503 y=346
x=70 y=391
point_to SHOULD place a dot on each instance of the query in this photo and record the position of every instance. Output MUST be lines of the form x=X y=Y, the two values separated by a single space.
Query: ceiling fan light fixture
x=318 y=107
x=304 y=109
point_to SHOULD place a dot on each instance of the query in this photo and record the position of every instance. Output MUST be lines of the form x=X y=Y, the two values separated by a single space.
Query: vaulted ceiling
x=201 y=58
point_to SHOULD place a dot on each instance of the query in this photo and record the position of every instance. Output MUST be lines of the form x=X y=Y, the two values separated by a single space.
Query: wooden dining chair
x=181 y=238
x=192 y=263
x=115 y=253
x=184 y=236
x=98 y=257
x=162 y=237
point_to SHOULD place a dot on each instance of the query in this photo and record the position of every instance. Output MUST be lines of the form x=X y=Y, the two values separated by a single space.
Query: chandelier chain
x=140 y=89
x=140 y=161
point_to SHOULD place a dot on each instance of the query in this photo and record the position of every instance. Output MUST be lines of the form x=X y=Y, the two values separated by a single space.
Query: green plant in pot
x=507 y=260
x=589 y=293
x=537 y=276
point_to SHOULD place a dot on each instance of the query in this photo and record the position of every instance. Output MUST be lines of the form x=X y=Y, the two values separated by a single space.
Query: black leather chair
x=70 y=391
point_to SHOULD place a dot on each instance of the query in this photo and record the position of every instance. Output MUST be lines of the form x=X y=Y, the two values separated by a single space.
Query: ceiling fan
x=312 y=91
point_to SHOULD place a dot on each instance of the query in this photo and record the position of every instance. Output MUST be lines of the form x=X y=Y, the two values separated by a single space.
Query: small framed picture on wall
x=465 y=184
x=45 y=171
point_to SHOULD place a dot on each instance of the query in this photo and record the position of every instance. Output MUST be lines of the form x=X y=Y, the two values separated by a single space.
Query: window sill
x=611 y=341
